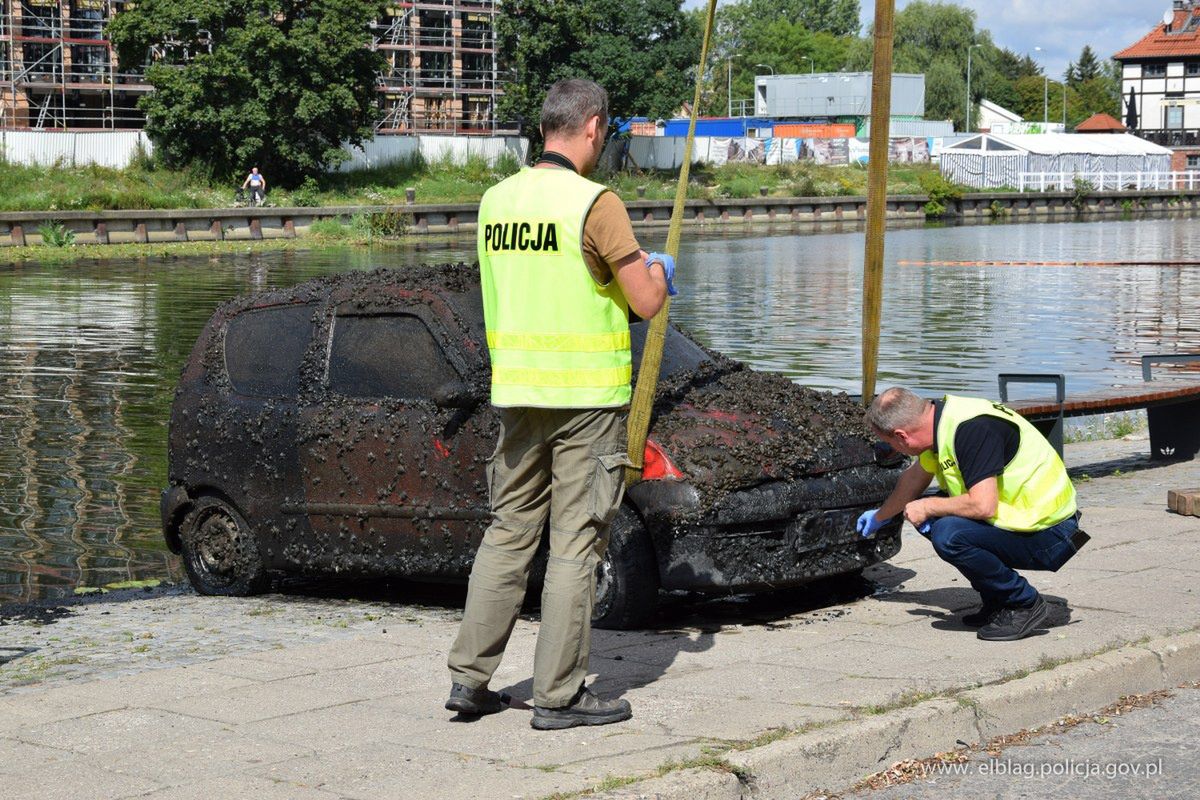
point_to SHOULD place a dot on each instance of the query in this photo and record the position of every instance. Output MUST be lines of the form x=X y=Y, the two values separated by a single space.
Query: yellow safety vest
x=557 y=339
x=1034 y=489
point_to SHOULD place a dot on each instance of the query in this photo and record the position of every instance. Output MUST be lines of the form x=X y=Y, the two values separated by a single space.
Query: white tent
x=1053 y=160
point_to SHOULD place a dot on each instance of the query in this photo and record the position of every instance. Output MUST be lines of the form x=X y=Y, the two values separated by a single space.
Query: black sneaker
x=475 y=702
x=585 y=709
x=1010 y=624
x=983 y=616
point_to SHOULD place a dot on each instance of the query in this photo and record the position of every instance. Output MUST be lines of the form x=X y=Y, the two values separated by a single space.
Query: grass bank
x=144 y=185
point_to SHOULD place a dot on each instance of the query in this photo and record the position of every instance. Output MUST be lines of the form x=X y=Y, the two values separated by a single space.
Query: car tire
x=220 y=552
x=627 y=577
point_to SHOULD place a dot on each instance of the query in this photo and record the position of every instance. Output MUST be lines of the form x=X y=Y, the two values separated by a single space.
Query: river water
x=89 y=353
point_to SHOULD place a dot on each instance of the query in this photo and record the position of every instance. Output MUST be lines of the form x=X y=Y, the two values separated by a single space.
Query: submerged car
x=342 y=427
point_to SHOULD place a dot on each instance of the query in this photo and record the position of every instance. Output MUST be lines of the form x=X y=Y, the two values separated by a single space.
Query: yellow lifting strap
x=877 y=172
x=647 y=382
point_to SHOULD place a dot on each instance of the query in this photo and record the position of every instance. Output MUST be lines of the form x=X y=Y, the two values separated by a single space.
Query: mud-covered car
x=342 y=427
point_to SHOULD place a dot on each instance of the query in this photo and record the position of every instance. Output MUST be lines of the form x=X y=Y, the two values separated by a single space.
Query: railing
x=1108 y=181
x=1171 y=137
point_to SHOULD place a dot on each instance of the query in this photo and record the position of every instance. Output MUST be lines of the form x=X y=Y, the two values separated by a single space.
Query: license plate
x=818 y=530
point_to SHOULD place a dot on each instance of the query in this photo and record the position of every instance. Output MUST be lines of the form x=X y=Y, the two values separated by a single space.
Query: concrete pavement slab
x=336 y=655
x=260 y=669
x=113 y=731
x=257 y=701
x=402 y=772
x=77 y=700
x=394 y=719
x=242 y=786
x=497 y=738
x=32 y=772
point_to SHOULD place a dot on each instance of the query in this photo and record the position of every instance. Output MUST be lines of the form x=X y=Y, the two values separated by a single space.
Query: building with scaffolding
x=58 y=70
x=441 y=74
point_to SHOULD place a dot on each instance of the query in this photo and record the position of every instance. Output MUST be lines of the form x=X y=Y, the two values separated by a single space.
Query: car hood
x=727 y=427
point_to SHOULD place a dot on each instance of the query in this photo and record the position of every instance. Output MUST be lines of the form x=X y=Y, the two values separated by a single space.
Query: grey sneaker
x=1010 y=624
x=983 y=616
x=585 y=709
x=475 y=702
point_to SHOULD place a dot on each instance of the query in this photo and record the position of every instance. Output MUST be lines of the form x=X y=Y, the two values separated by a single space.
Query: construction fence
x=118 y=149
x=666 y=152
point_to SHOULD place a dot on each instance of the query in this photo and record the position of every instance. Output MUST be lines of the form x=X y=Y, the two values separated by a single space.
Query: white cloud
x=1060 y=27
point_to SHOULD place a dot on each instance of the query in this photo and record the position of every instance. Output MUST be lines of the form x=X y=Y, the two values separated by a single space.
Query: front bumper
x=779 y=534
x=702 y=559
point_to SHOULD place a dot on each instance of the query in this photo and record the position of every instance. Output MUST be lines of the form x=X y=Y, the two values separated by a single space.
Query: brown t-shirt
x=607 y=236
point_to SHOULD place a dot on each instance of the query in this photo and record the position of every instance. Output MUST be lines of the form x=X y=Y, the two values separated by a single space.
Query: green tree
x=1032 y=92
x=737 y=21
x=644 y=52
x=934 y=39
x=1088 y=66
x=945 y=90
x=277 y=83
x=789 y=36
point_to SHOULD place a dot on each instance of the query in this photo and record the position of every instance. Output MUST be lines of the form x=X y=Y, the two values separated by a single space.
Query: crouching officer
x=560 y=270
x=1009 y=503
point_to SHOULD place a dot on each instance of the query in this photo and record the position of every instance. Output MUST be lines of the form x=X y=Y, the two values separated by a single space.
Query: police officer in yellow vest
x=560 y=270
x=1009 y=504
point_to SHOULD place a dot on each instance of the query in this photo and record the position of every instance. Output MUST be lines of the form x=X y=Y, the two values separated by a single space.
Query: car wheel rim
x=604 y=587
x=218 y=545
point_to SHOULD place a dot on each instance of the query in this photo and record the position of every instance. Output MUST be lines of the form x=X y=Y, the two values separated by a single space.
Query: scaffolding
x=58 y=70
x=441 y=73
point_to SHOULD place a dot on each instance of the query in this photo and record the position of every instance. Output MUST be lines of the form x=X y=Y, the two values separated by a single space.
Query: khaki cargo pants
x=565 y=465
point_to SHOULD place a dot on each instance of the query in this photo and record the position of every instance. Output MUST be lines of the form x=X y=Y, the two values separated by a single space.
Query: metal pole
x=1045 y=102
x=729 y=85
x=1064 y=106
x=877 y=171
x=970 y=50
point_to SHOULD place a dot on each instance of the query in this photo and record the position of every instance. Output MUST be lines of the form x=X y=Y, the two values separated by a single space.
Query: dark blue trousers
x=988 y=556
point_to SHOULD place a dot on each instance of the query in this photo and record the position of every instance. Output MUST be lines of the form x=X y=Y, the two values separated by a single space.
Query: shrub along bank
x=144 y=186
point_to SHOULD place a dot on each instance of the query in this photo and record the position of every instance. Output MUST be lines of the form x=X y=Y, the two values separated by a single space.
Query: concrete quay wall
x=19 y=228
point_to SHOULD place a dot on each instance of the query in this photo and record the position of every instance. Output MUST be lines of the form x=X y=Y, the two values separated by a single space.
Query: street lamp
x=767 y=66
x=970 y=50
x=1045 y=97
x=729 y=85
x=812 y=65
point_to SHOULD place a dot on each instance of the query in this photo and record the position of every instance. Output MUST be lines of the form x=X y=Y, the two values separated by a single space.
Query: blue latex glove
x=869 y=522
x=924 y=528
x=668 y=265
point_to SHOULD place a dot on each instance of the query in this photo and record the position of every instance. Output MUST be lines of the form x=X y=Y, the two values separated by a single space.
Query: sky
x=1060 y=27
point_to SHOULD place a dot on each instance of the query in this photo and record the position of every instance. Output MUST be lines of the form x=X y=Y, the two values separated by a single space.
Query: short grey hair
x=571 y=103
x=895 y=409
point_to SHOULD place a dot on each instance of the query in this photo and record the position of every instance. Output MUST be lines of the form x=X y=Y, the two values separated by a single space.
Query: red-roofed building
x=1160 y=83
x=1100 y=123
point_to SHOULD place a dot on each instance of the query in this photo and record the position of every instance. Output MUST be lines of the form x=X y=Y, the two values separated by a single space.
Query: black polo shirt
x=983 y=445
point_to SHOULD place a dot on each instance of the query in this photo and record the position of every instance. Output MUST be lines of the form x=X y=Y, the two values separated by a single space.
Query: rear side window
x=386 y=355
x=264 y=347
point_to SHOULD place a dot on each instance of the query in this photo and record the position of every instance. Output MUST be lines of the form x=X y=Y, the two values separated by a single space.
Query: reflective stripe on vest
x=556 y=338
x=1034 y=489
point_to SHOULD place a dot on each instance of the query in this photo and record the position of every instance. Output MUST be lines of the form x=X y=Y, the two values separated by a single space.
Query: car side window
x=264 y=347
x=386 y=355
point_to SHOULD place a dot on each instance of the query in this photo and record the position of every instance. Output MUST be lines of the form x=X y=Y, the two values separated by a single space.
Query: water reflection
x=792 y=304
x=89 y=354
